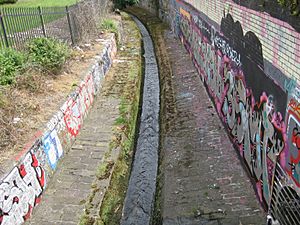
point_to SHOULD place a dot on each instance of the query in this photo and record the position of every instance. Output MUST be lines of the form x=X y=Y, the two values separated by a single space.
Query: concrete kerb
x=24 y=179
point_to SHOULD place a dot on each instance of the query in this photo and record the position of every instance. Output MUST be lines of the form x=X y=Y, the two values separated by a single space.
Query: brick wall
x=250 y=63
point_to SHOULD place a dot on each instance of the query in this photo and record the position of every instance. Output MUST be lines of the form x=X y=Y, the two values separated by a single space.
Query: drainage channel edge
x=140 y=195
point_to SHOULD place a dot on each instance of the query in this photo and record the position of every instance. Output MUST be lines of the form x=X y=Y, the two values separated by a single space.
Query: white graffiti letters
x=20 y=189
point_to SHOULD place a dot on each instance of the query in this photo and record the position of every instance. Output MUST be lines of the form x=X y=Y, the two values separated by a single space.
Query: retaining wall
x=22 y=187
x=249 y=61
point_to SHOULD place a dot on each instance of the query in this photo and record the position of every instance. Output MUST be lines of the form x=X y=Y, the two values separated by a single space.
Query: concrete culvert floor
x=139 y=200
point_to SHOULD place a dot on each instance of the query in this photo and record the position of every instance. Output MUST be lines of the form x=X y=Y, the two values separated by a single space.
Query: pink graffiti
x=292 y=156
x=256 y=128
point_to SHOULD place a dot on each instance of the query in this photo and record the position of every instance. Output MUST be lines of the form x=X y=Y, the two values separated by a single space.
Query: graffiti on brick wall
x=77 y=106
x=53 y=148
x=280 y=41
x=57 y=122
x=293 y=155
x=68 y=120
x=86 y=94
x=21 y=190
x=231 y=66
x=98 y=75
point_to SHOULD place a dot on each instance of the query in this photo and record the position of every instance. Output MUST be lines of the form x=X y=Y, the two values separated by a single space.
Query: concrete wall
x=249 y=61
x=22 y=187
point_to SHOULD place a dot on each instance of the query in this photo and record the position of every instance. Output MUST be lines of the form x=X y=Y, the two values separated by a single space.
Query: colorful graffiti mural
x=22 y=188
x=293 y=155
x=280 y=41
x=262 y=123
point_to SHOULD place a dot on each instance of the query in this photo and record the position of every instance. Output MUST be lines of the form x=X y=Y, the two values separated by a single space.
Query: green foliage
x=122 y=3
x=292 y=5
x=7 y=1
x=11 y=62
x=42 y=3
x=86 y=220
x=109 y=25
x=47 y=53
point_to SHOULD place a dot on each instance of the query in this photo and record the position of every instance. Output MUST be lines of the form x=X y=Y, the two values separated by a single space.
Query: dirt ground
x=26 y=106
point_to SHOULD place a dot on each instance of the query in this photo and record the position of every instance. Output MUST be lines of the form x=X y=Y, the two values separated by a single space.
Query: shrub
x=292 y=5
x=48 y=54
x=11 y=62
x=123 y=3
x=7 y=1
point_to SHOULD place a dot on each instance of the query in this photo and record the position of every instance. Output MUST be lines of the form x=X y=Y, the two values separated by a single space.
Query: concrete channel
x=139 y=201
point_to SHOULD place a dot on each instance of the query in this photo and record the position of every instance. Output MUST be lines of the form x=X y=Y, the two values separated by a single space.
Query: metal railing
x=70 y=23
x=18 y=25
x=285 y=201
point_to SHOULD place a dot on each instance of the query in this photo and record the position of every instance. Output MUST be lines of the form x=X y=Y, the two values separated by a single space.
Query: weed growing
x=109 y=25
x=42 y=54
x=111 y=208
x=124 y=134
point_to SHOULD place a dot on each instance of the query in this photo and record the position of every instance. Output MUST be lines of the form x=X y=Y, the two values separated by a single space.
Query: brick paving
x=203 y=179
x=63 y=202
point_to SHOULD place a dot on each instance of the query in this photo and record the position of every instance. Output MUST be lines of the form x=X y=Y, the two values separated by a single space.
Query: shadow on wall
x=261 y=118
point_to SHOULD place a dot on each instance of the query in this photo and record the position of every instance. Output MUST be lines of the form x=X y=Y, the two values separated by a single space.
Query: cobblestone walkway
x=204 y=181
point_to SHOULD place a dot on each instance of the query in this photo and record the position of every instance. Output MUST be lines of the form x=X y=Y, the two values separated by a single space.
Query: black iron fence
x=17 y=25
x=70 y=23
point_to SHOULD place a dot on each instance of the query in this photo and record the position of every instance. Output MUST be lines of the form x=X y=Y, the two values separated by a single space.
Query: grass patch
x=109 y=25
x=103 y=171
x=111 y=209
x=120 y=120
x=43 y=3
x=86 y=220
x=124 y=135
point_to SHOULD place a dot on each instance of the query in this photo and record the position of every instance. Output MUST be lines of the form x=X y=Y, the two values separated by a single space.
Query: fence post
x=42 y=20
x=70 y=26
x=3 y=28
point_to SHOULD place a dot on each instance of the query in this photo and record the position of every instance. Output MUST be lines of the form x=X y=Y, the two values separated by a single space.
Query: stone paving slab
x=203 y=181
